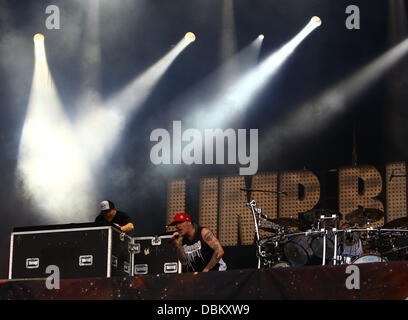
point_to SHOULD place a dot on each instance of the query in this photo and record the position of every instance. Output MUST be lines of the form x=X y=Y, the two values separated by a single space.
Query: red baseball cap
x=180 y=217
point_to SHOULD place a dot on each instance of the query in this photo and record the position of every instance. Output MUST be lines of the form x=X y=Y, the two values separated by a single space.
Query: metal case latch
x=141 y=268
x=156 y=241
x=32 y=263
x=126 y=267
x=85 y=261
x=170 y=267
x=134 y=248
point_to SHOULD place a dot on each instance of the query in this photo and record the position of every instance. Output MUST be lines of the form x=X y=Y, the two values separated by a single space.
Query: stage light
x=190 y=36
x=38 y=37
x=261 y=37
x=316 y=21
x=39 y=48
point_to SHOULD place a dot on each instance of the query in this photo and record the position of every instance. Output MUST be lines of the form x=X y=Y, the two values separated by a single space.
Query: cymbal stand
x=369 y=228
x=335 y=239
x=324 y=239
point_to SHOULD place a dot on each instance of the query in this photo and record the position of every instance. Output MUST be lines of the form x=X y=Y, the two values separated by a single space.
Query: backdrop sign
x=222 y=203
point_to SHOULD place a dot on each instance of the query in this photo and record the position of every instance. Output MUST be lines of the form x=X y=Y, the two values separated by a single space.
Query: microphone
x=174 y=238
x=391 y=176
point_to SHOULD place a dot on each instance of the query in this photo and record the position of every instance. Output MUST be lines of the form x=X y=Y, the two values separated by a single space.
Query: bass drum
x=317 y=246
x=369 y=258
x=297 y=250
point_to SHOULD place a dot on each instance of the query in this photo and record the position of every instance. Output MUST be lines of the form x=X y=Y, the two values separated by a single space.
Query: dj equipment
x=77 y=250
x=155 y=255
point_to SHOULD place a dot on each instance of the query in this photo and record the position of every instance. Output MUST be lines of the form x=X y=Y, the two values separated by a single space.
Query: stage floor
x=385 y=281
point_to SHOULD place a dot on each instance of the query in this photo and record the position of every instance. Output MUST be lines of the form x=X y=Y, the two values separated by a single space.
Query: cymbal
x=362 y=215
x=314 y=215
x=289 y=222
x=400 y=222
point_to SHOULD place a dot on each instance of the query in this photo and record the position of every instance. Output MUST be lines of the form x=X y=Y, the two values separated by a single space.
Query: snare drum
x=369 y=258
x=297 y=250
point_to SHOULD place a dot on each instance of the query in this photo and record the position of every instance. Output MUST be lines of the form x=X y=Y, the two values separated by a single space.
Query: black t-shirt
x=198 y=253
x=121 y=218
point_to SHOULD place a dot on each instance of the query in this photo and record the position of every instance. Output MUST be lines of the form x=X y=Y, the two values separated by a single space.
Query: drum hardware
x=395 y=249
x=255 y=213
x=323 y=219
x=395 y=244
x=265 y=258
x=313 y=217
x=323 y=241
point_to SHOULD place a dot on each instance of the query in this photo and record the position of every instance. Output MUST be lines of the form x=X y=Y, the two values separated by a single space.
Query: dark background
x=135 y=34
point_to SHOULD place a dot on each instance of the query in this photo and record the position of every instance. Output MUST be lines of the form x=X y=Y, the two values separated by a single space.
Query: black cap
x=106 y=206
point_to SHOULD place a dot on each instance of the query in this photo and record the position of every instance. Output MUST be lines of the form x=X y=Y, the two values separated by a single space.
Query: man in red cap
x=197 y=247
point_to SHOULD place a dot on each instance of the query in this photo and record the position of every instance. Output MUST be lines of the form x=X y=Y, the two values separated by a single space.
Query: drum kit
x=315 y=238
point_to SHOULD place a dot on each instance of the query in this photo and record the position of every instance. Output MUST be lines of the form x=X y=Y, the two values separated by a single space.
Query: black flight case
x=79 y=251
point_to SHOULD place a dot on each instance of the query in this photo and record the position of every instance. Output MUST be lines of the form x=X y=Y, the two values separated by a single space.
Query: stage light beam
x=216 y=84
x=110 y=118
x=318 y=113
x=50 y=167
x=242 y=92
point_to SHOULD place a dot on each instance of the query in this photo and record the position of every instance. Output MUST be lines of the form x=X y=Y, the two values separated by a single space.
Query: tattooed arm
x=214 y=244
